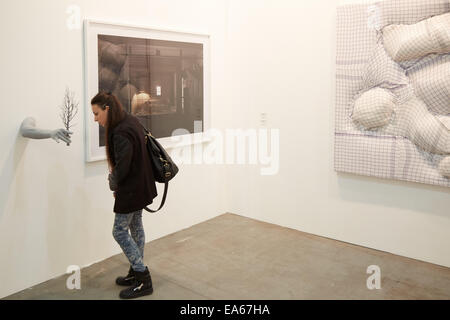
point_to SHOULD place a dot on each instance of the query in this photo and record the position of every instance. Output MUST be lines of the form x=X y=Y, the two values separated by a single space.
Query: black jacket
x=132 y=176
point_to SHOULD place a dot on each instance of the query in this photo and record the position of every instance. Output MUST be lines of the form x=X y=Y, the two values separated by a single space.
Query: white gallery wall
x=282 y=62
x=55 y=209
x=272 y=61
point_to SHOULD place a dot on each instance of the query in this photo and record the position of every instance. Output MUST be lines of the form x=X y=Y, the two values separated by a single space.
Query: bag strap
x=145 y=129
x=166 y=186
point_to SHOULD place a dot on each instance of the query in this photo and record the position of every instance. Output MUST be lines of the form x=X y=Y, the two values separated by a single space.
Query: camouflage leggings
x=132 y=246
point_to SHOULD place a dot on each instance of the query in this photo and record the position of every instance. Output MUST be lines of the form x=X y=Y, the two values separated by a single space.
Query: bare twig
x=69 y=109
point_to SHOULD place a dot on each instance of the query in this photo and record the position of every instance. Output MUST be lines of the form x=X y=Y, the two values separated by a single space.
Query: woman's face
x=100 y=115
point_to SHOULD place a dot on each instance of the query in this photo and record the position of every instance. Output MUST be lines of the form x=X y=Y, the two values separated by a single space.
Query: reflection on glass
x=158 y=81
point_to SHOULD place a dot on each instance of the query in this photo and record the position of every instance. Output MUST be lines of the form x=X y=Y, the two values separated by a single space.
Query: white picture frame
x=94 y=28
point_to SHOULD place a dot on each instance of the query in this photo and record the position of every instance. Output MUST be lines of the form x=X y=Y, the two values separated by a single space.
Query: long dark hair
x=116 y=113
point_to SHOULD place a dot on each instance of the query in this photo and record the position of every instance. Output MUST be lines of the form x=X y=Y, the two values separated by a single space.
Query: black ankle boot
x=142 y=286
x=128 y=280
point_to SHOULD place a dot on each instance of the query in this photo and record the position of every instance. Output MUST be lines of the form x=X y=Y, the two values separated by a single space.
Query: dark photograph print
x=158 y=81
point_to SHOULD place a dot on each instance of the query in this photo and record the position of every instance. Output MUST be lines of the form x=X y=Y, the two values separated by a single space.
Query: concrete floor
x=234 y=257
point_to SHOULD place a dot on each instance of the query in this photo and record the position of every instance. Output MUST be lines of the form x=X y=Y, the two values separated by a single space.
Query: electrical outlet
x=263 y=119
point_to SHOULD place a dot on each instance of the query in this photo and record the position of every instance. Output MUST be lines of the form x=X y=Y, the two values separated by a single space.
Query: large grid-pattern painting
x=393 y=90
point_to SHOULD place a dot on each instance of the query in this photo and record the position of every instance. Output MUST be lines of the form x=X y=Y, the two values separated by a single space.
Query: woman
x=131 y=178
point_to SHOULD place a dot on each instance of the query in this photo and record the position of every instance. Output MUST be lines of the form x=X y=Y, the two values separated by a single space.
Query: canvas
x=392 y=89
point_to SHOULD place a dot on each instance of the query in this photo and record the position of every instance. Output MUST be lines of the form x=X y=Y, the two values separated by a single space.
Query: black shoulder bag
x=164 y=169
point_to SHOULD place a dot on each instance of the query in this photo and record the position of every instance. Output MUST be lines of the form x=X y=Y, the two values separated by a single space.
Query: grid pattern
x=435 y=91
x=382 y=71
x=414 y=144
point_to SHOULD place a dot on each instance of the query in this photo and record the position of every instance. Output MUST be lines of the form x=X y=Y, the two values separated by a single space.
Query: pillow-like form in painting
x=409 y=11
x=373 y=109
x=431 y=81
x=406 y=42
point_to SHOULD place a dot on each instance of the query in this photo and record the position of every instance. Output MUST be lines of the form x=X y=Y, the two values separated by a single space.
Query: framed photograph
x=160 y=76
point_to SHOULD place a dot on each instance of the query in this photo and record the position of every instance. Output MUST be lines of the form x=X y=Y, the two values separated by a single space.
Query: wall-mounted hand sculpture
x=28 y=130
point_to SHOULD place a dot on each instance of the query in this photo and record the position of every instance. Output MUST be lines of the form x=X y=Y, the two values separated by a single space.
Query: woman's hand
x=112 y=182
